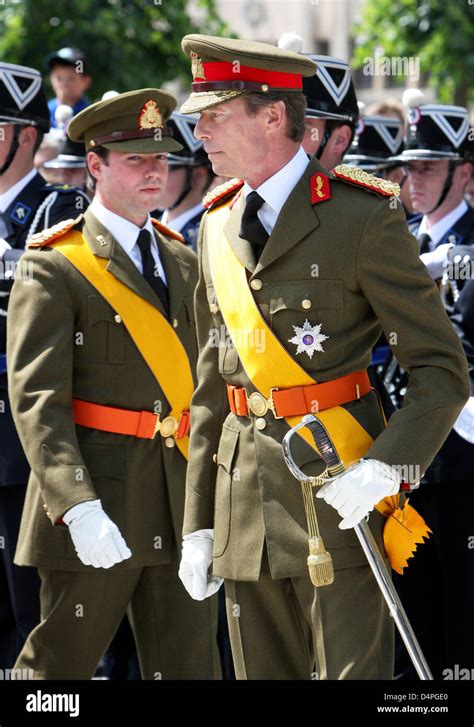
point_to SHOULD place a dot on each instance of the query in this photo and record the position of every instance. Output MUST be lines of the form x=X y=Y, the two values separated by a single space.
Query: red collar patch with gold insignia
x=320 y=189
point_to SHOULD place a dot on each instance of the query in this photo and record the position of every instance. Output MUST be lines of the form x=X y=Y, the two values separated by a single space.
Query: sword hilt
x=328 y=451
x=324 y=445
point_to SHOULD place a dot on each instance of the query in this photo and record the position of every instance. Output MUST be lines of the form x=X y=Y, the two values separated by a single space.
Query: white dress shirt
x=276 y=190
x=126 y=234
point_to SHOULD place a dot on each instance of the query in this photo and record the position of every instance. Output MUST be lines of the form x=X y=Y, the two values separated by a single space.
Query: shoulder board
x=222 y=192
x=167 y=231
x=46 y=237
x=360 y=178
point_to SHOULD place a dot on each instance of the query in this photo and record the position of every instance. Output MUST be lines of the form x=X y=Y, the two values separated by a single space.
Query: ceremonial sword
x=335 y=467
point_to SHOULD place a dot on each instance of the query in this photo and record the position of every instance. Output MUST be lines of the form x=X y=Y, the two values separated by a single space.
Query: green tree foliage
x=130 y=43
x=440 y=32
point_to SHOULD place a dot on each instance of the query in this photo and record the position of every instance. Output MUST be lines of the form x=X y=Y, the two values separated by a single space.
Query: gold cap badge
x=197 y=69
x=150 y=116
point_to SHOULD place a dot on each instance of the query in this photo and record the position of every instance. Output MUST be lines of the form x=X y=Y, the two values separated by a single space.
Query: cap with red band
x=224 y=68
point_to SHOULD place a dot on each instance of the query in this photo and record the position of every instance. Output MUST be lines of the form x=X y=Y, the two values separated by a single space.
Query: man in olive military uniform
x=27 y=204
x=299 y=255
x=101 y=367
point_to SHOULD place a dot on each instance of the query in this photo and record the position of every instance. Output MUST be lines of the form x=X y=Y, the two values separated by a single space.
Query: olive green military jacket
x=67 y=343
x=353 y=258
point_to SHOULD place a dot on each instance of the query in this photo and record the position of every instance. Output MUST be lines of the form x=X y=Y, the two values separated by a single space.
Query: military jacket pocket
x=106 y=338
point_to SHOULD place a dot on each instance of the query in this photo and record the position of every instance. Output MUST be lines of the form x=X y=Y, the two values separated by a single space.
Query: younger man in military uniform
x=301 y=258
x=101 y=373
x=27 y=204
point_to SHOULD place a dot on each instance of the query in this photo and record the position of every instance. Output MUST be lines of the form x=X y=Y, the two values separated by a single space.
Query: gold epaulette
x=45 y=237
x=222 y=192
x=360 y=178
x=167 y=231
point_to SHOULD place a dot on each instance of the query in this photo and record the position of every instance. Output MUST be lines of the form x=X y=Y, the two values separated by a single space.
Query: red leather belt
x=300 y=400
x=141 y=424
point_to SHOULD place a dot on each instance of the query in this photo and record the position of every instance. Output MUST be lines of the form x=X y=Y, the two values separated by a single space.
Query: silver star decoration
x=308 y=338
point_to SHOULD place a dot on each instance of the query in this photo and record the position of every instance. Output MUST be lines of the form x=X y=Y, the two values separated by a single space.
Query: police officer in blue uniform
x=438 y=160
x=27 y=205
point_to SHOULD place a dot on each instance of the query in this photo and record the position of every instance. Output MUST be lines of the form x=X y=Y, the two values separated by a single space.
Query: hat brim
x=419 y=154
x=206 y=99
x=65 y=164
x=315 y=114
x=143 y=146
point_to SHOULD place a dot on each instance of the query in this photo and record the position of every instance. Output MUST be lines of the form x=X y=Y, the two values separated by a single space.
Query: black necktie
x=251 y=228
x=424 y=241
x=150 y=272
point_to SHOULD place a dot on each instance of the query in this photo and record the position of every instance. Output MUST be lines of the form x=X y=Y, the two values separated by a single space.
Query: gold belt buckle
x=168 y=427
x=259 y=406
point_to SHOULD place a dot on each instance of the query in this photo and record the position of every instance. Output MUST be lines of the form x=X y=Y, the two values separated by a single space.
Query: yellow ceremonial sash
x=145 y=324
x=277 y=368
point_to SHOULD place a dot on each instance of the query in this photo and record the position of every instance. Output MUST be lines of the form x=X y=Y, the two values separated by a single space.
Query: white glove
x=355 y=493
x=195 y=562
x=464 y=424
x=4 y=246
x=97 y=540
x=436 y=261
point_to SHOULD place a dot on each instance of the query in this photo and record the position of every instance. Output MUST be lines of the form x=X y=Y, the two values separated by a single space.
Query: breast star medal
x=308 y=338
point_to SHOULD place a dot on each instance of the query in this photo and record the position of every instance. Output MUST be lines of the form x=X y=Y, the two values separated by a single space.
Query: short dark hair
x=91 y=181
x=295 y=105
x=333 y=124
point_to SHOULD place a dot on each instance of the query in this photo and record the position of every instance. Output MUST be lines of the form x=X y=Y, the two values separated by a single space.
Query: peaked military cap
x=129 y=122
x=377 y=140
x=224 y=68
x=22 y=99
